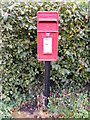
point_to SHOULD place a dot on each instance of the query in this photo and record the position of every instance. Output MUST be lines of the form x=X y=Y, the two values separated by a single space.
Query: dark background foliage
x=22 y=74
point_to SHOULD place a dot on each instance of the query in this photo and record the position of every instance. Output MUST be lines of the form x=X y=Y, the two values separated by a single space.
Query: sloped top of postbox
x=47 y=14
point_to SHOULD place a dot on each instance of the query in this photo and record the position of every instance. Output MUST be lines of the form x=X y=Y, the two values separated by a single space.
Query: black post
x=47 y=81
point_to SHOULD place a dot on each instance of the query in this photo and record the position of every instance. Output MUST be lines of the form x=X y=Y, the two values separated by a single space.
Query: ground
x=29 y=111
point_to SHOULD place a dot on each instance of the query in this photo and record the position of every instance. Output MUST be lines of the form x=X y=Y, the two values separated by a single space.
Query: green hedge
x=22 y=74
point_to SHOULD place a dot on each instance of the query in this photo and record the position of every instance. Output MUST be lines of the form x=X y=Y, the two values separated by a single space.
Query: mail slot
x=47 y=35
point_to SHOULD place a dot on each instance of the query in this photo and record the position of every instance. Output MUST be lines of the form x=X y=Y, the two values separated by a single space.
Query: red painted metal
x=47 y=35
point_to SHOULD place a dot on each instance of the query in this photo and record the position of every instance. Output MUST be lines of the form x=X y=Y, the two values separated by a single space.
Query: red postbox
x=47 y=35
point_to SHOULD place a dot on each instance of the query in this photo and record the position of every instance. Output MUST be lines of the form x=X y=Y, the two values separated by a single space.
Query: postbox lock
x=47 y=33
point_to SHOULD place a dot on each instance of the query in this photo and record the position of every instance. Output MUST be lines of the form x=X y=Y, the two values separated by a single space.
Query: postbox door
x=47 y=47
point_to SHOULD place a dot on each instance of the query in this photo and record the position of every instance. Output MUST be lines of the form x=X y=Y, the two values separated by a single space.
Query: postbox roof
x=47 y=12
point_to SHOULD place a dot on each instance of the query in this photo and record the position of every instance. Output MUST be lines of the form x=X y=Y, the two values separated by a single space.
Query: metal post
x=47 y=81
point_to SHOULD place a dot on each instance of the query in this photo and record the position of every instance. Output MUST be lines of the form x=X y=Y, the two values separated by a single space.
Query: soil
x=30 y=111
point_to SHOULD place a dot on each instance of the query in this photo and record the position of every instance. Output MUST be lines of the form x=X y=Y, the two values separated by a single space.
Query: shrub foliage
x=22 y=74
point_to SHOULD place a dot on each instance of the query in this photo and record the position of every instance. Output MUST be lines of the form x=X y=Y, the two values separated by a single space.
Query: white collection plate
x=47 y=45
